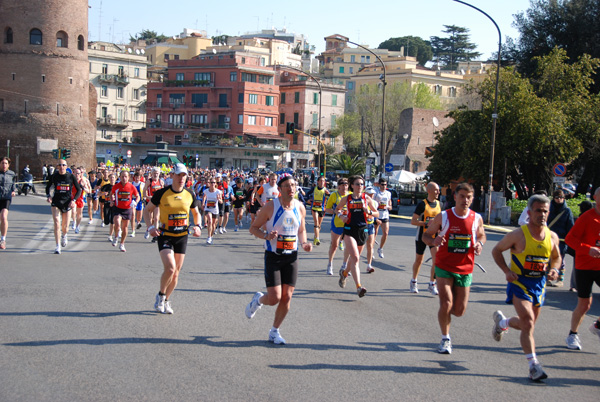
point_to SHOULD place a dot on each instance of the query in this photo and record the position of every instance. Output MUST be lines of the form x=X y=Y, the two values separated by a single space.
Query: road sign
x=342 y=171
x=560 y=180
x=559 y=169
x=369 y=161
x=129 y=153
x=389 y=167
x=108 y=151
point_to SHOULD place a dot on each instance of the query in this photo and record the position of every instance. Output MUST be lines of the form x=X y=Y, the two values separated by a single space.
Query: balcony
x=187 y=105
x=188 y=83
x=111 y=122
x=187 y=126
x=114 y=79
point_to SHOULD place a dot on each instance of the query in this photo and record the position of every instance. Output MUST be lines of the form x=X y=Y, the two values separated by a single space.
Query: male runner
x=139 y=207
x=7 y=192
x=124 y=196
x=105 y=198
x=384 y=202
x=104 y=192
x=155 y=184
x=337 y=225
x=267 y=191
x=534 y=251
x=459 y=234
x=80 y=202
x=92 y=199
x=239 y=197
x=171 y=227
x=370 y=191
x=584 y=238
x=62 y=201
x=284 y=218
x=319 y=195
x=425 y=211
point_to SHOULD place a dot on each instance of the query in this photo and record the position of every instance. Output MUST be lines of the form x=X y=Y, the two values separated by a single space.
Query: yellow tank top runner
x=533 y=261
x=430 y=213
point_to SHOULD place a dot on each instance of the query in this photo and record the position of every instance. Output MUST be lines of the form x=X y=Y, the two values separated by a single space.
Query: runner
x=107 y=213
x=458 y=232
x=86 y=188
x=584 y=238
x=384 y=201
x=124 y=196
x=155 y=184
x=103 y=199
x=360 y=208
x=534 y=251
x=92 y=199
x=255 y=198
x=7 y=192
x=62 y=201
x=211 y=207
x=337 y=225
x=284 y=218
x=370 y=191
x=139 y=207
x=318 y=194
x=225 y=205
x=238 y=193
x=425 y=211
x=171 y=227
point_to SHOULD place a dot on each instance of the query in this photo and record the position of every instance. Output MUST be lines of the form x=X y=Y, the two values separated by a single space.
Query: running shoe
x=64 y=241
x=110 y=239
x=276 y=338
x=433 y=289
x=370 y=269
x=73 y=225
x=380 y=252
x=341 y=246
x=168 y=308
x=77 y=230
x=241 y=224
x=120 y=233
x=115 y=241
x=329 y=269
x=445 y=347
x=414 y=287
x=497 y=331
x=317 y=242
x=595 y=330
x=90 y=222
x=342 y=281
x=209 y=240
x=139 y=226
x=220 y=230
x=573 y=342
x=147 y=235
x=57 y=249
x=236 y=228
x=154 y=239
x=132 y=233
x=224 y=230
x=159 y=305
x=361 y=291
x=2 y=244
x=536 y=373
x=102 y=225
x=254 y=305
x=122 y=247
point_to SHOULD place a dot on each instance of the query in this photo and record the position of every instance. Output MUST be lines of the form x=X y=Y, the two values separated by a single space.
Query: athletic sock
x=572 y=333
x=358 y=286
x=275 y=330
x=3 y=238
x=446 y=337
x=531 y=359
x=161 y=293
x=504 y=323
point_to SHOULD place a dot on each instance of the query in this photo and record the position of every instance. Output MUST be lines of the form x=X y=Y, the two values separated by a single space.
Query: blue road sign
x=559 y=169
x=389 y=167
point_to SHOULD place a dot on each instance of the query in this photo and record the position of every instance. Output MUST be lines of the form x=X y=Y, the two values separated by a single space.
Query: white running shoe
x=433 y=289
x=115 y=241
x=276 y=338
x=57 y=249
x=73 y=225
x=240 y=224
x=64 y=241
x=573 y=342
x=370 y=269
x=221 y=230
x=147 y=235
x=536 y=373
x=110 y=239
x=445 y=347
x=236 y=228
x=90 y=222
x=224 y=230
x=102 y=225
x=329 y=269
x=380 y=252
x=342 y=281
x=122 y=247
x=77 y=230
x=497 y=331
x=209 y=240
x=159 y=305
x=254 y=305
x=132 y=233
x=168 y=308
x=414 y=287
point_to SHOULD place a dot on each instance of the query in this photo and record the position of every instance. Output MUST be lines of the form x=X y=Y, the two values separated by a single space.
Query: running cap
x=370 y=190
x=283 y=178
x=250 y=180
x=179 y=168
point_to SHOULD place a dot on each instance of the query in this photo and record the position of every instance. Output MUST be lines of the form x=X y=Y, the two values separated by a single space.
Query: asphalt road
x=81 y=327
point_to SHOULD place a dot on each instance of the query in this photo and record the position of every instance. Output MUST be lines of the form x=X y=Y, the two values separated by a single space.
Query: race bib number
x=211 y=204
x=459 y=243
x=177 y=222
x=239 y=193
x=286 y=244
x=63 y=187
x=270 y=199
x=535 y=266
x=317 y=204
x=382 y=205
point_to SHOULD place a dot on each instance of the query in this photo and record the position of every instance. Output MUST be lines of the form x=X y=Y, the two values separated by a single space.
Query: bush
x=517 y=206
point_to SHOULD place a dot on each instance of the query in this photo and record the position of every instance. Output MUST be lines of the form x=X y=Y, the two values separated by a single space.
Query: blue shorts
x=535 y=294
x=336 y=230
x=371 y=229
x=139 y=206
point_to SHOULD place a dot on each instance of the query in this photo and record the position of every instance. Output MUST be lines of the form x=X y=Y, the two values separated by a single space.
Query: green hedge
x=517 y=206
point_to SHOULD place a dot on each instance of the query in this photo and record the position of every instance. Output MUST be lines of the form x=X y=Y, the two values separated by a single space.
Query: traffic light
x=185 y=160
x=56 y=153
x=66 y=153
x=321 y=170
x=289 y=128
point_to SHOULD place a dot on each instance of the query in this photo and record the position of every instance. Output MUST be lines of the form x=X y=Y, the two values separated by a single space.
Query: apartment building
x=118 y=73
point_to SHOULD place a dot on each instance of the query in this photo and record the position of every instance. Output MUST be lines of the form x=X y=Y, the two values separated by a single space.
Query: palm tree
x=354 y=165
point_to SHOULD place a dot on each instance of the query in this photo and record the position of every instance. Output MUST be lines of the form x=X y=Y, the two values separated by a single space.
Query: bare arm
x=302 y=230
x=508 y=242
x=262 y=217
x=430 y=236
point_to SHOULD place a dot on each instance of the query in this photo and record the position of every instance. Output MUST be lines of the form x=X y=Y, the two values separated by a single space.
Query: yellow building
x=183 y=47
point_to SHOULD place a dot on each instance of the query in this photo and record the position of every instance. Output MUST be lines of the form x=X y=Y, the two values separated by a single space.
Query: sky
x=362 y=22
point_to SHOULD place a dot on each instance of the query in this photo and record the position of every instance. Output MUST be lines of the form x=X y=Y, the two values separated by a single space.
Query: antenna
x=100 y=22
x=214 y=51
x=143 y=51
x=137 y=51
x=129 y=50
x=435 y=121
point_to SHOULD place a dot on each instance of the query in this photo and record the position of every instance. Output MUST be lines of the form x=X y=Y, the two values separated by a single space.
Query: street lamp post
x=383 y=80
x=495 y=113
x=320 y=105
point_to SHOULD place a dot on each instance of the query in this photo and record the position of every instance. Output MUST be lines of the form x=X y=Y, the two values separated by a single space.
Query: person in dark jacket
x=7 y=192
x=560 y=221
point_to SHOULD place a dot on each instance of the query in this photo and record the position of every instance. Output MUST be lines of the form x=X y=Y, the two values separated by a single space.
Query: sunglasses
x=62 y=164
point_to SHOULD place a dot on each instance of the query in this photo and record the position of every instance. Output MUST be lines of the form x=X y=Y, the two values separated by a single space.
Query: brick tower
x=44 y=83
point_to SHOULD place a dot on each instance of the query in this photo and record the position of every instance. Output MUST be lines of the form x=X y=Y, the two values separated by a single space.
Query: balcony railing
x=111 y=122
x=188 y=83
x=188 y=105
x=186 y=126
x=114 y=79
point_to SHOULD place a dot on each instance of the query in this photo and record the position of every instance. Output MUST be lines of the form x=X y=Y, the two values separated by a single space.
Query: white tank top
x=286 y=222
x=382 y=198
x=269 y=193
x=212 y=205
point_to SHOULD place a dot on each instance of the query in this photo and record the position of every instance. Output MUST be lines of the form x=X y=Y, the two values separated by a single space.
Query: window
x=104 y=112
x=35 y=37
x=136 y=93
x=80 y=43
x=352 y=58
x=243 y=61
x=247 y=77
x=62 y=39
x=333 y=121
x=333 y=100
x=176 y=99
x=120 y=115
x=240 y=119
x=351 y=70
x=175 y=57
x=43 y=77
x=269 y=100
x=8 y=35
x=158 y=138
x=452 y=92
x=282 y=101
x=177 y=120
x=104 y=133
x=233 y=76
x=240 y=98
x=296 y=97
x=136 y=115
x=199 y=119
x=362 y=59
x=295 y=138
x=252 y=120
x=262 y=61
x=268 y=121
x=121 y=71
x=296 y=120
x=105 y=69
x=119 y=92
x=313 y=141
x=166 y=57
x=198 y=100
x=368 y=59
x=350 y=85
x=315 y=122
x=159 y=100
x=281 y=117
x=332 y=142
x=179 y=77
x=177 y=140
x=341 y=70
x=202 y=77
x=223 y=100
x=253 y=99
x=438 y=89
x=315 y=98
x=136 y=72
x=104 y=91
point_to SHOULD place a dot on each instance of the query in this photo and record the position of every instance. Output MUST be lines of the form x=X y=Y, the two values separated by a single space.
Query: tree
x=413 y=46
x=348 y=126
x=454 y=48
x=354 y=165
x=148 y=35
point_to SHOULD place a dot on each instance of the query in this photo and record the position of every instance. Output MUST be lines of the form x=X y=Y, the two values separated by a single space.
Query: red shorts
x=79 y=202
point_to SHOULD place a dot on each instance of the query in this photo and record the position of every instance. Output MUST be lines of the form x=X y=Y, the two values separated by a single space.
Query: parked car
x=395 y=201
